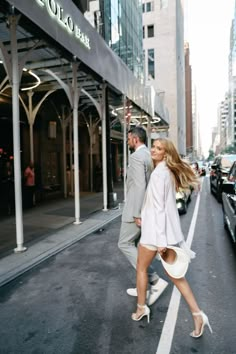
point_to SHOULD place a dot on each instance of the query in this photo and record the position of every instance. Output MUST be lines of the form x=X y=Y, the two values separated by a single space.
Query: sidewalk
x=49 y=229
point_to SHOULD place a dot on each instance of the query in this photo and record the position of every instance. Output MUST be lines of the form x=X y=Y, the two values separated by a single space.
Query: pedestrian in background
x=161 y=227
x=29 y=178
x=138 y=175
x=8 y=186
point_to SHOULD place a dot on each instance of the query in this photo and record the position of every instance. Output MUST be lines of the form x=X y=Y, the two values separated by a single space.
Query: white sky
x=207 y=30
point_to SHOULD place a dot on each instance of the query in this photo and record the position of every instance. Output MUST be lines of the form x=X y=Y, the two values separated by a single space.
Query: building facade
x=222 y=123
x=119 y=22
x=163 y=45
x=231 y=123
x=188 y=96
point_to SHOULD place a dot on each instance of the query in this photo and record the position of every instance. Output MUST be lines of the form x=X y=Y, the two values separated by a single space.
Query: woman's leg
x=145 y=257
x=184 y=288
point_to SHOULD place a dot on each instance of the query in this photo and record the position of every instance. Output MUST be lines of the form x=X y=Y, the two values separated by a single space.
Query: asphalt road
x=76 y=303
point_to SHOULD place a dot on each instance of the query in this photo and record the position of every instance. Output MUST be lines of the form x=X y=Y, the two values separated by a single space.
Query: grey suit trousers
x=129 y=237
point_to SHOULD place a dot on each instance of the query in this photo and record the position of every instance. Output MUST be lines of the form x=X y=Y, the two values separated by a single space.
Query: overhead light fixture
x=114 y=113
x=120 y=108
x=38 y=81
x=156 y=119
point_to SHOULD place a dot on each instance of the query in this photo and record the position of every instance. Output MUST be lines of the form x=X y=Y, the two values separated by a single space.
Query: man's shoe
x=156 y=291
x=133 y=292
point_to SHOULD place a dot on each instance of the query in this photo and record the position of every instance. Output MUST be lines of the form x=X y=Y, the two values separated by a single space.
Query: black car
x=219 y=172
x=229 y=202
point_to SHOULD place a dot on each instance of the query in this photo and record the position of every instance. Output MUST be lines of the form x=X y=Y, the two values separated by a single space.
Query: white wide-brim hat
x=178 y=266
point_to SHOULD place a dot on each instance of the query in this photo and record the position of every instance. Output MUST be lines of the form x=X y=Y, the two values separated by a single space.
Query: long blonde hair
x=184 y=175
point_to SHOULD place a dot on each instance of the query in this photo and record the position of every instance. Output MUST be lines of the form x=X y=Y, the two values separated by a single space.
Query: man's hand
x=137 y=221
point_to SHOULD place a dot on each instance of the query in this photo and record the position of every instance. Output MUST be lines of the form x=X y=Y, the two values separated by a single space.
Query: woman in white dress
x=161 y=227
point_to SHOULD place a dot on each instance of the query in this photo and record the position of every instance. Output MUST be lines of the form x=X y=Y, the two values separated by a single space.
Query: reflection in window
x=114 y=21
x=122 y=28
x=151 y=63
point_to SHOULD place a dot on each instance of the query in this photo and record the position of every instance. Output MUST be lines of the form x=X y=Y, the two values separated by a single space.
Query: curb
x=14 y=265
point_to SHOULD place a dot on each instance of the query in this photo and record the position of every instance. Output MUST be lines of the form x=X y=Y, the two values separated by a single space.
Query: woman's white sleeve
x=158 y=188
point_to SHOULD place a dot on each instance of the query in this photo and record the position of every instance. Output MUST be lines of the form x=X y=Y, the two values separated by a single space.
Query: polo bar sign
x=56 y=11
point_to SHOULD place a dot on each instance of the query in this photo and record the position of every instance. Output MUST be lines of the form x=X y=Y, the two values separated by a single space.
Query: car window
x=232 y=174
x=227 y=161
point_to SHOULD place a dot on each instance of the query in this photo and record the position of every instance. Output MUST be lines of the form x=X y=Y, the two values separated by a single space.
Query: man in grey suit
x=138 y=175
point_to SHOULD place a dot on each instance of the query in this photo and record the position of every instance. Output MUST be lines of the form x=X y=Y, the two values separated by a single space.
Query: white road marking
x=167 y=334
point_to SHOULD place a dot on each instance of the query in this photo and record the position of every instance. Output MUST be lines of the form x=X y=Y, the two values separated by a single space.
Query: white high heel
x=145 y=313
x=205 y=322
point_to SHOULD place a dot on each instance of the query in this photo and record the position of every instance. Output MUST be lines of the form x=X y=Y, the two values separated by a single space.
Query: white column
x=31 y=122
x=16 y=138
x=124 y=148
x=76 y=143
x=104 y=148
x=63 y=125
x=91 y=151
x=149 y=140
x=71 y=160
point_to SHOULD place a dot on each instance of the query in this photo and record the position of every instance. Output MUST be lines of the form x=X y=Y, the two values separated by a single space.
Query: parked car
x=202 y=168
x=183 y=197
x=219 y=172
x=229 y=202
x=209 y=164
x=199 y=168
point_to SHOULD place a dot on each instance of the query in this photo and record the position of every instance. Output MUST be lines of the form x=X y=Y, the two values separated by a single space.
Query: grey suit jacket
x=138 y=175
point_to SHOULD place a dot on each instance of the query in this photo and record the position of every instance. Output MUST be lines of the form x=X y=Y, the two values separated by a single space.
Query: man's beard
x=131 y=149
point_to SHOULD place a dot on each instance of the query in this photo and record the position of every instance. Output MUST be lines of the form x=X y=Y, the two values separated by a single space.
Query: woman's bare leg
x=184 y=288
x=145 y=257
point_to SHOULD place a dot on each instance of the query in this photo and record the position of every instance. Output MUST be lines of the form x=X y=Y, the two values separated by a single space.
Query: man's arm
x=138 y=187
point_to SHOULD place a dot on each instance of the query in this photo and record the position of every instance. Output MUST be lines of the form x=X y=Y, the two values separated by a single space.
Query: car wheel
x=224 y=221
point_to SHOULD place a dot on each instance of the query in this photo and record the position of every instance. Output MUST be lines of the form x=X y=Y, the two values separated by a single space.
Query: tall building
x=223 y=115
x=231 y=124
x=163 y=44
x=122 y=29
x=188 y=97
x=215 y=141
x=120 y=24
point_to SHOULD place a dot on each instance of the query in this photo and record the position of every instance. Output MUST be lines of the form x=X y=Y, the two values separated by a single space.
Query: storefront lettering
x=56 y=11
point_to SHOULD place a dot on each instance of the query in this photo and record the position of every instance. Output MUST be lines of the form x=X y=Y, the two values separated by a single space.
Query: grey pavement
x=49 y=229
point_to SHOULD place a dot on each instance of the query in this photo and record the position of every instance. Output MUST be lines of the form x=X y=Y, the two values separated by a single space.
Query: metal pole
x=16 y=138
x=30 y=94
x=124 y=148
x=64 y=150
x=71 y=160
x=104 y=148
x=31 y=142
x=149 y=142
x=91 y=151
x=76 y=143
